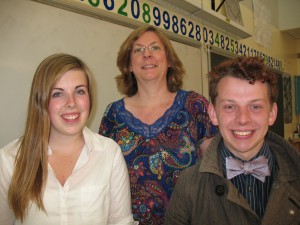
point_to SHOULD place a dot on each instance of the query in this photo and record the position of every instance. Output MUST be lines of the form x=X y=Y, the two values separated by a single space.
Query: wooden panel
x=297 y=94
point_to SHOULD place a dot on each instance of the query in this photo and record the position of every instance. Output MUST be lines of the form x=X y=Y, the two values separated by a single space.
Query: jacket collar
x=210 y=162
x=287 y=158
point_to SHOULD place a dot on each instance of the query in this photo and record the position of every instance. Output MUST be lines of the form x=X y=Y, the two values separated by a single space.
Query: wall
x=31 y=31
x=289 y=14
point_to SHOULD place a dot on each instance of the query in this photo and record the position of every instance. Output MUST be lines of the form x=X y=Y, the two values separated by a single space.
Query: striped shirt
x=255 y=192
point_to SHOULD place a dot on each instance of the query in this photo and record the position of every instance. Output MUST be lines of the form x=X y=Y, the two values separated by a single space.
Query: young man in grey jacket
x=248 y=175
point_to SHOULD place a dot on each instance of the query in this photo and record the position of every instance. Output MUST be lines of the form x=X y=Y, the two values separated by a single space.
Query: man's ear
x=212 y=114
x=273 y=114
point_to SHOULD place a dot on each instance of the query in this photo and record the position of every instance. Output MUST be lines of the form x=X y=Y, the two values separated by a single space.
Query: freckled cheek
x=226 y=121
x=54 y=106
x=53 y=112
x=85 y=104
x=226 y=117
x=58 y=103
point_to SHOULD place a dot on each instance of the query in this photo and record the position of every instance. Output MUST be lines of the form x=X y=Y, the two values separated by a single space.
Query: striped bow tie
x=258 y=168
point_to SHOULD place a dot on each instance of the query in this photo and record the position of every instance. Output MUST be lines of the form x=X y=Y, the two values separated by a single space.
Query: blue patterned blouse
x=155 y=154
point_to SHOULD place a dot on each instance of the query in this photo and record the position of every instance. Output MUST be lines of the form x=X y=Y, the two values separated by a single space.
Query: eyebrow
x=78 y=86
x=233 y=101
x=152 y=43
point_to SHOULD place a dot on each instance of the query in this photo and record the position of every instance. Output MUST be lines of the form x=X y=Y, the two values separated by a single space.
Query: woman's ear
x=212 y=114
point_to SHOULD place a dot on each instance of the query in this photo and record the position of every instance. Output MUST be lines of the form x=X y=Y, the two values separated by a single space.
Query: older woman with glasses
x=160 y=128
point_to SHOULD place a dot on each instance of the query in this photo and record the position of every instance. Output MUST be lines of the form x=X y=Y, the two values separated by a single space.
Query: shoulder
x=190 y=175
x=279 y=144
x=195 y=102
x=7 y=156
x=284 y=152
x=113 y=106
x=98 y=142
x=193 y=170
x=192 y=96
x=197 y=96
x=116 y=103
x=11 y=149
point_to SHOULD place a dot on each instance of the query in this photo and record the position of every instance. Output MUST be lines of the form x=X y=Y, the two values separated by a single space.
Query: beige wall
x=30 y=31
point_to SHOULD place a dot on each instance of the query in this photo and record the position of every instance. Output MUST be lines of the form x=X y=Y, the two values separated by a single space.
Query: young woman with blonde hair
x=59 y=171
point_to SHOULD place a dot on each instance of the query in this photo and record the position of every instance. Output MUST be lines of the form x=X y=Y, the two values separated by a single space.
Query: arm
x=179 y=210
x=6 y=214
x=120 y=197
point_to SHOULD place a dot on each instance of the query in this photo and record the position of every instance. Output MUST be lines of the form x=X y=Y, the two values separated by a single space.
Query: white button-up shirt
x=96 y=193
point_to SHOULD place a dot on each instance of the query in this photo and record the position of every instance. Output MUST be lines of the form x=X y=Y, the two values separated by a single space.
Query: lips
x=149 y=66
x=71 y=117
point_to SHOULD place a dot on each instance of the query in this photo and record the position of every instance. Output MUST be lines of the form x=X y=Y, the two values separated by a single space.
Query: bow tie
x=258 y=168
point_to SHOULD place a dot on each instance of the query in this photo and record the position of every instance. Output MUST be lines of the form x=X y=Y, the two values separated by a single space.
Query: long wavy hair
x=126 y=81
x=31 y=163
x=251 y=69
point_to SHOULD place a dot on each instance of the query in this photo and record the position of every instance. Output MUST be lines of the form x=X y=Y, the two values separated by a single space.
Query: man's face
x=243 y=113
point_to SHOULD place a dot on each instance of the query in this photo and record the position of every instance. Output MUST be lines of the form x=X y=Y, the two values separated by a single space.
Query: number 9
x=156 y=15
x=166 y=18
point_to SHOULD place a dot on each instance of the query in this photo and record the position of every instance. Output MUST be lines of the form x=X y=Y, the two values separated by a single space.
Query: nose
x=70 y=101
x=147 y=53
x=243 y=116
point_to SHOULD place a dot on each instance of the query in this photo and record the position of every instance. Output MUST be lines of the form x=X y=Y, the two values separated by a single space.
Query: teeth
x=70 y=117
x=149 y=66
x=242 y=133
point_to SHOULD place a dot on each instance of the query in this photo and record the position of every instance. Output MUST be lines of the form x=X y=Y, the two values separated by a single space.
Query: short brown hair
x=247 y=68
x=126 y=81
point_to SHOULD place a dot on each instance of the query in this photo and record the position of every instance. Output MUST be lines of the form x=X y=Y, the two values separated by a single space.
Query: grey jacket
x=203 y=196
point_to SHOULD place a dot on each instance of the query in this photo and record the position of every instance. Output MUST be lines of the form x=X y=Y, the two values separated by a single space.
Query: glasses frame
x=151 y=48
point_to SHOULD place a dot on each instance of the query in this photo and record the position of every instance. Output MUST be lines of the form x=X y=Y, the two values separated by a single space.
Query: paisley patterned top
x=155 y=154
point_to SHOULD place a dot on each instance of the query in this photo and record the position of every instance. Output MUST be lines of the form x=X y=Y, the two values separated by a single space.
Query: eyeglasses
x=142 y=49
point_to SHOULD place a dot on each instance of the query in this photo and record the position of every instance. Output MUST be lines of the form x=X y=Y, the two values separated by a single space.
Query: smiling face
x=69 y=104
x=243 y=113
x=148 y=58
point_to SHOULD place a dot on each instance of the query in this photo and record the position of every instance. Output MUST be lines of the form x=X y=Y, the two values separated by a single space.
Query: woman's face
x=148 y=59
x=69 y=104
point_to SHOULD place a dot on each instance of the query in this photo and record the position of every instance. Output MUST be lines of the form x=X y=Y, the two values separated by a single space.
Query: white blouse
x=96 y=193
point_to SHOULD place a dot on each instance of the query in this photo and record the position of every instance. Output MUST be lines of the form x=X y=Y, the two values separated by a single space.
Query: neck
x=153 y=96
x=66 y=144
x=152 y=87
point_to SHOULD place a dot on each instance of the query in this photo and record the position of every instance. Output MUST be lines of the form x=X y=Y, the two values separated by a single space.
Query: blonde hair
x=126 y=81
x=31 y=163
